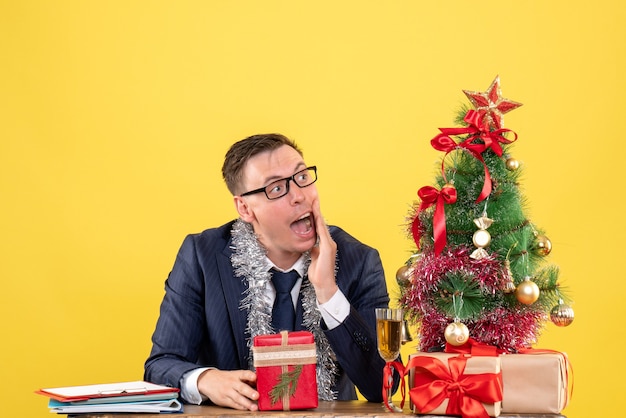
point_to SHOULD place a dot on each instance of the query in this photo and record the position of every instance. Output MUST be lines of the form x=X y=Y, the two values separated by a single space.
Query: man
x=220 y=292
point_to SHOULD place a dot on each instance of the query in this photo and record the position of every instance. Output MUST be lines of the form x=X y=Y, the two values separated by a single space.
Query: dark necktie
x=283 y=313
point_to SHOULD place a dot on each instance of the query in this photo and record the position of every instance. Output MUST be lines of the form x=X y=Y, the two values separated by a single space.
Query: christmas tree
x=479 y=269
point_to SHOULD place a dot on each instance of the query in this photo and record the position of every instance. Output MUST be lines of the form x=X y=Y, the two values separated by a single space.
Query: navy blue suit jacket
x=201 y=324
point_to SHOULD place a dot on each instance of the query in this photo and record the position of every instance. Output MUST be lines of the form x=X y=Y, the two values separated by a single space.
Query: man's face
x=285 y=226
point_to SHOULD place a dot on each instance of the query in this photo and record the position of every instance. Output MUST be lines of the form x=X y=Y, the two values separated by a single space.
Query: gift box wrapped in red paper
x=455 y=384
x=536 y=382
x=285 y=368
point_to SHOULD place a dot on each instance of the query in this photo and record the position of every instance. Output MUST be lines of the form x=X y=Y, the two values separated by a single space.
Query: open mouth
x=304 y=225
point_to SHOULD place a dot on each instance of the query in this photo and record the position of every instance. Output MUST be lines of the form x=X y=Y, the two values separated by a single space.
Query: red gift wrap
x=285 y=368
x=455 y=384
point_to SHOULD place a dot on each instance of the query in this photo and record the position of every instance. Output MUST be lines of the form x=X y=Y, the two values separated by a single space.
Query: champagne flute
x=389 y=337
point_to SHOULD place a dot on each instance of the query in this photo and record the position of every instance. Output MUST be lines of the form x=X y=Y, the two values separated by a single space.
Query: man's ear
x=245 y=212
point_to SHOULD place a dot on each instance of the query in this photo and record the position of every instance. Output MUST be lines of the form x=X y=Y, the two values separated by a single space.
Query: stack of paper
x=136 y=396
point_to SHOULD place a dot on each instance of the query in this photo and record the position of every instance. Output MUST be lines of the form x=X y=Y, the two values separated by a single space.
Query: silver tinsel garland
x=248 y=260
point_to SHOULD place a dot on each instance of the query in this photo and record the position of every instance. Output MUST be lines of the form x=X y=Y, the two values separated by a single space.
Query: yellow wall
x=115 y=116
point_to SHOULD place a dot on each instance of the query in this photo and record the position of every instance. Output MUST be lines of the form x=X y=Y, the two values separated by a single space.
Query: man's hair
x=240 y=152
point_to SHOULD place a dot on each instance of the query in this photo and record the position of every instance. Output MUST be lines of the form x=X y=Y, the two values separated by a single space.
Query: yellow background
x=115 y=117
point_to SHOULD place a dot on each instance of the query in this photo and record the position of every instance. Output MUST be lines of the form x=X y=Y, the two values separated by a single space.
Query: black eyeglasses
x=280 y=188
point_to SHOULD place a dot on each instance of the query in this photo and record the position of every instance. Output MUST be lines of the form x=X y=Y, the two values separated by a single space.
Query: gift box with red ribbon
x=455 y=384
x=285 y=368
x=535 y=382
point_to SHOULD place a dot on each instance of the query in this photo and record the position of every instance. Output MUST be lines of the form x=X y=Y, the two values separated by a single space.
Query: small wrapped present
x=535 y=383
x=285 y=367
x=455 y=384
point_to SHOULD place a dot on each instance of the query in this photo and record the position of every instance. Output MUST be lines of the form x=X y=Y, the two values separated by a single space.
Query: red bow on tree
x=478 y=129
x=431 y=196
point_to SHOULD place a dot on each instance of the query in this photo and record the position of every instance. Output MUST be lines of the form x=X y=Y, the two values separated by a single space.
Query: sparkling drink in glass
x=389 y=338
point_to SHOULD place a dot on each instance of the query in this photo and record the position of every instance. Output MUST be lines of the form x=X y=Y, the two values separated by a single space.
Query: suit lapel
x=233 y=289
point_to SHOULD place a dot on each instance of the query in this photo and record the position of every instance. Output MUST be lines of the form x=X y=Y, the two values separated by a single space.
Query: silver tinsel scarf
x=248 y=260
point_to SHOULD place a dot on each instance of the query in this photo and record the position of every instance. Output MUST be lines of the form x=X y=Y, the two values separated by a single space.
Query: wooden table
x=344 y=409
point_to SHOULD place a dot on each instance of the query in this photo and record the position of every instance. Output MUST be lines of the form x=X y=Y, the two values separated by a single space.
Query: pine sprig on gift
x=287 y=384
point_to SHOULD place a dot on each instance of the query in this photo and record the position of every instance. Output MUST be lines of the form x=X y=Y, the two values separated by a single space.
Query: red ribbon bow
x=388 y=382
x=430 y=196
x=474 y=348
x=465 y=392
x=477 y=129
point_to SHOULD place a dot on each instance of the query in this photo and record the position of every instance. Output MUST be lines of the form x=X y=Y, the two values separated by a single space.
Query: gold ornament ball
x=456 y=333
x=481 y=238
x=403 y=275
x=542 y=245
x=512 y=164
x=527 y=292
x=562 y=315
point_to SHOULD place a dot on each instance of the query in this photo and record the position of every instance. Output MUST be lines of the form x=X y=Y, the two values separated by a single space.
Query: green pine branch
x=287 y=384
x=460 y=296
x=550 y=293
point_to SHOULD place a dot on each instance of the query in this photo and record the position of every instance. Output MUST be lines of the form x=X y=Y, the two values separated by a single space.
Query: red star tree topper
x=492 y=104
